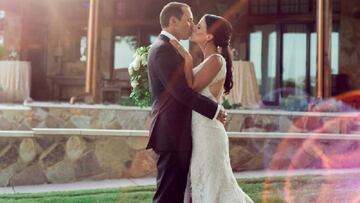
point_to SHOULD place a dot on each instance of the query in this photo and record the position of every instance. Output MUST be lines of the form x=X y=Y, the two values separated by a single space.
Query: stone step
x=354 y=135
x=16 y=133
x=144 y=133
x=89 y=132
x=281 y=135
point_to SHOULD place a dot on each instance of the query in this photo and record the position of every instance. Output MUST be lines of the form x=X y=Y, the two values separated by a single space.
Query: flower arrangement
x=138 y=77
x=13 y=54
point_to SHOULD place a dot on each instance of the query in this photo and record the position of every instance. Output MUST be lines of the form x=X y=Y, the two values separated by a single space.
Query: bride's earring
x=205 y=44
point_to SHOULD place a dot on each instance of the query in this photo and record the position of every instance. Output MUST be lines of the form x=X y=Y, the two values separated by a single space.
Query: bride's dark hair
x=221 y=29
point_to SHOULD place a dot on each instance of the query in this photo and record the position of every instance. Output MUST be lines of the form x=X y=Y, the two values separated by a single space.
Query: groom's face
x=186 y=23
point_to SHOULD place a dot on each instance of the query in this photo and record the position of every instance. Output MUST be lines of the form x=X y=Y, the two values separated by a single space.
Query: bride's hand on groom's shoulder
x=183 y=52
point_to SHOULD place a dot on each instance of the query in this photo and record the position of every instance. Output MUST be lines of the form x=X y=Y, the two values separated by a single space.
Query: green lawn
x=253 y=187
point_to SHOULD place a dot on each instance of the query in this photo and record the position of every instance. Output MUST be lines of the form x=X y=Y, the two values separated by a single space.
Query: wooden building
x=278 y=36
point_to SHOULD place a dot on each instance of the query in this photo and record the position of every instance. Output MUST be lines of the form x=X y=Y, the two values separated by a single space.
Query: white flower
x=134 y=84
x=136 y=63
x=144 y=59
x=131 y=69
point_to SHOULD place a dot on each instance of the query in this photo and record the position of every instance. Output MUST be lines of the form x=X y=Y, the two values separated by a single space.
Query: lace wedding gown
x=211 y=176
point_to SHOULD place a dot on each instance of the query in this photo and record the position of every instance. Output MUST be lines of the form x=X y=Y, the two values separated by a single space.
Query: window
x=262 y=7
x=295 y=71
x=83 y=48
x=295 y=6
x=284 y=53
x=336 y=6
x=125 y=47
x=2 y=14
x=334 y=58
x=270 y=7
x=294 y=57
x=263 y=55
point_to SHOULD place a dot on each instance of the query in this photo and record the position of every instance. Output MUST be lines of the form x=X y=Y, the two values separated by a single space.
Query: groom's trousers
x=172 y=174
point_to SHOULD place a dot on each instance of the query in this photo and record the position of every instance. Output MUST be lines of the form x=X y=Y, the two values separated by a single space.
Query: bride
x=211 y=176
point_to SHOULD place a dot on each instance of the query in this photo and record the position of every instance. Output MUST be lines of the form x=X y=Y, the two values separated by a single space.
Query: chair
x=59 y=82
x=116 y=87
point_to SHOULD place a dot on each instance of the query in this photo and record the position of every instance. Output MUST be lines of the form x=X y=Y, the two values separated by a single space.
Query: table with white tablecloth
x=15 y=81
x=245 y=90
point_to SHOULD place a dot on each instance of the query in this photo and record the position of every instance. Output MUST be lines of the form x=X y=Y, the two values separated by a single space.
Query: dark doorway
x=34 y=43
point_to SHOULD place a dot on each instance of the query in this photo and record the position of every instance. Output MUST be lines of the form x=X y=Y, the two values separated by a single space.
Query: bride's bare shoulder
x=214 y=60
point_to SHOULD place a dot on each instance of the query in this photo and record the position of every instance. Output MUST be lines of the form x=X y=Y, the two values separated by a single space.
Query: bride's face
x=199 y=34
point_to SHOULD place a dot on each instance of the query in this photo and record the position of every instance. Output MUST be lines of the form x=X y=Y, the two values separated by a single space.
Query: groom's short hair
x=169 y=10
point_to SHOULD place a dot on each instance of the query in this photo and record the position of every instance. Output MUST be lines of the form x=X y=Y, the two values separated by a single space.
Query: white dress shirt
x=167 y=34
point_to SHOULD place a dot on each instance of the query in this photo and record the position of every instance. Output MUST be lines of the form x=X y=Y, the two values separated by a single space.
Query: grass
x=253 y=187
x=128 y=195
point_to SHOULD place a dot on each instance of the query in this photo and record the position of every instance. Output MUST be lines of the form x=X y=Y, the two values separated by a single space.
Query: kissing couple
x=187 y=122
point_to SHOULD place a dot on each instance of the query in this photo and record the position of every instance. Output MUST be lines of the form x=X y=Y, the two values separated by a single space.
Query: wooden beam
x=90 y=43
x=96 y=54
x=91 y=78
x=327 y=47
x=320 y=48
x=324 y=30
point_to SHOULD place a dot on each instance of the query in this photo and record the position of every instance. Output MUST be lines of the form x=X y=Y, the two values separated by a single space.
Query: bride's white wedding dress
x=211 y=176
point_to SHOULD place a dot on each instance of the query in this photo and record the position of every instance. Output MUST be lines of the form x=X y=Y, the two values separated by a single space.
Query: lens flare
x=317 y=152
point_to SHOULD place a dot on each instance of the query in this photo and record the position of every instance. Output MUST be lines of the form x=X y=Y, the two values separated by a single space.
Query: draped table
x=15 y=77
x=245 y=90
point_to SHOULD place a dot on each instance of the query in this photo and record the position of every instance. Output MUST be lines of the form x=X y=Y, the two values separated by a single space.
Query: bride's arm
x=207 y=73
x=188 y=62
x=188 y=66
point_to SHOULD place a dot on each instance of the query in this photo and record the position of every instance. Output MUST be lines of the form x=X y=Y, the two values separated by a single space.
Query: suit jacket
x=172 y=99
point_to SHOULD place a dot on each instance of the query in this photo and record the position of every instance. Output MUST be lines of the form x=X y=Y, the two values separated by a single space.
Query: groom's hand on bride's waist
x=222 y=116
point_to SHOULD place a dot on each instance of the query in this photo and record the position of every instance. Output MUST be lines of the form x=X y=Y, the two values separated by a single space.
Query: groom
x=173 y=102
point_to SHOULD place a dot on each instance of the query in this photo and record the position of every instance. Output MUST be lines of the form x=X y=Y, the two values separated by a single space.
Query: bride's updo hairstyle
x=221 y=29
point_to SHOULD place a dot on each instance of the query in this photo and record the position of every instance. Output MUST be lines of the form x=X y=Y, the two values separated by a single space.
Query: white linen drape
x=245 y=89
x=15 y=77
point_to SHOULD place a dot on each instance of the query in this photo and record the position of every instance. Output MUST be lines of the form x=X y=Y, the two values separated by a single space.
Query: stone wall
x=78 y=116
x=16 y=118
x=134 y=118
x=61 y=159
x=50 y=158
x=291 y=154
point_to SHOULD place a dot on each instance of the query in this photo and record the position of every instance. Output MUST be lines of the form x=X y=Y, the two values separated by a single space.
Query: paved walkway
x=88 y=185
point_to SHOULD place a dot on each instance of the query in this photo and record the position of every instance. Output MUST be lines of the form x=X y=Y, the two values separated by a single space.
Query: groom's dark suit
x=170 y=130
